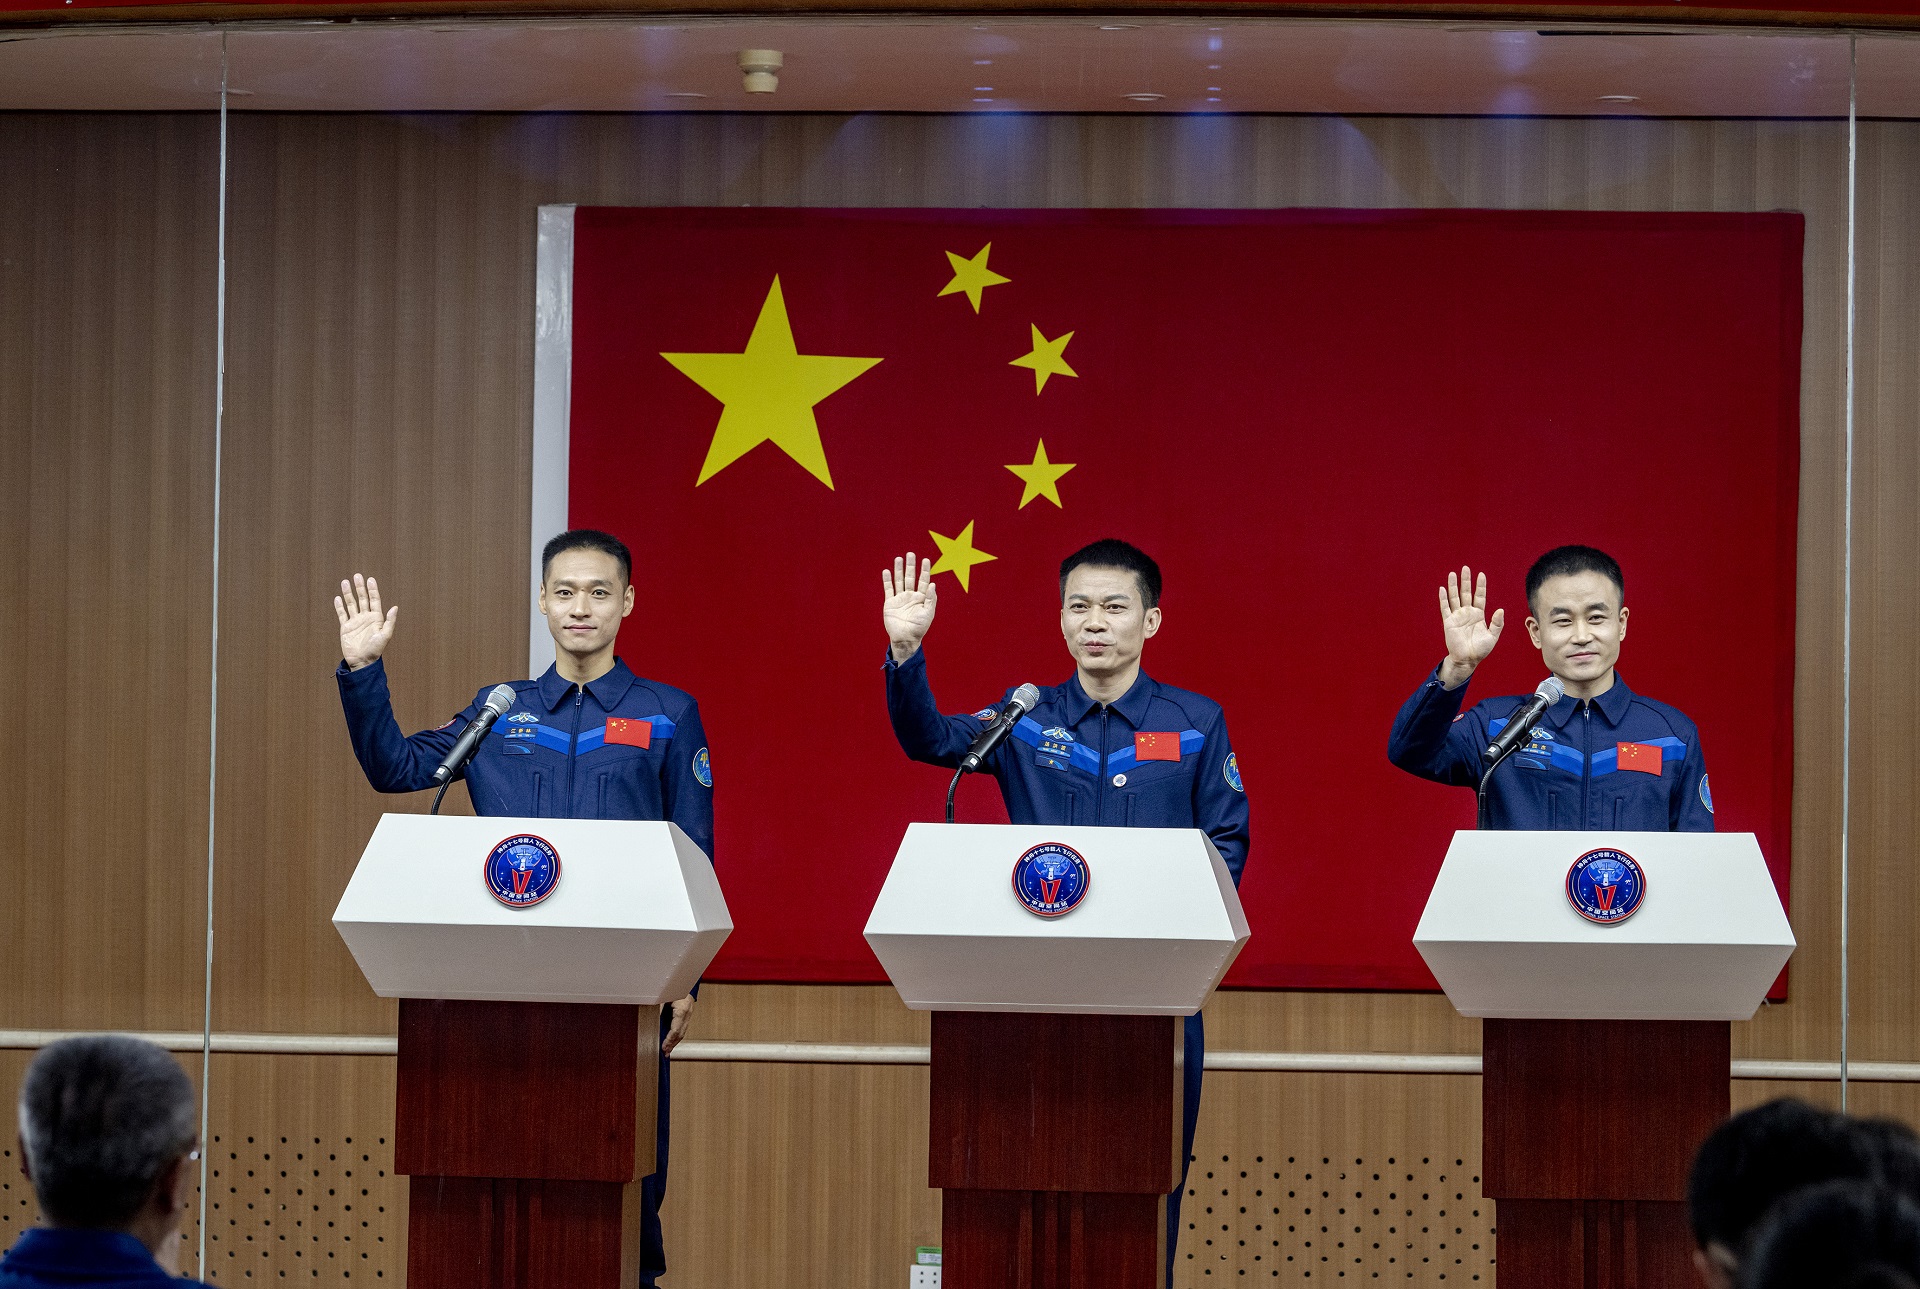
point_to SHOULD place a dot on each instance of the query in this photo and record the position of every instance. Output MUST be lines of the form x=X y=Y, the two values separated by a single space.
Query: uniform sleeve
x=1691 y=809
x=1219 y=799
x=1429 y=741
x=391 y=762
x=687 y=779
x=924 y=734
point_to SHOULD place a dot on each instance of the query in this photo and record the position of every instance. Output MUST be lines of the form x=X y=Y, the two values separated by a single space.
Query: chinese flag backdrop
x=1306 y=416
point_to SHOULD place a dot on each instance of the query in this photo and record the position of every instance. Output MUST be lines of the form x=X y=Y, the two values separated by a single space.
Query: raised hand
x=1470 y=636
x=364 y=629
x=908 y=610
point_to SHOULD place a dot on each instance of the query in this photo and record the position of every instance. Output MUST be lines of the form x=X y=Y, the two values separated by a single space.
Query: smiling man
x=1603 y=757
x=587 y=740
x=1109 y=747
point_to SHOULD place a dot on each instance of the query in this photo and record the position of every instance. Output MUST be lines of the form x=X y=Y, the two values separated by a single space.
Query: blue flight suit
x=550 y=757
x=1568 y=776
x=61 y=1257
x=1071 y=761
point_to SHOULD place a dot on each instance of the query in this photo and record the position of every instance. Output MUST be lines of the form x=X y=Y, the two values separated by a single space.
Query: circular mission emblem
x=1606 y=886
x=1051 y=879
x=521 y=871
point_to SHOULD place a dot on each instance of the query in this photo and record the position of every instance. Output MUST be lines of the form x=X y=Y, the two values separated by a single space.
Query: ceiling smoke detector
x=760 y=70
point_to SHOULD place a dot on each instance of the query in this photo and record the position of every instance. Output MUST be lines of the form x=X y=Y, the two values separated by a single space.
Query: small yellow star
x=972 y=276
x=768 y=393
x=1045 y=360
x=1042 y=478
x=958 y=555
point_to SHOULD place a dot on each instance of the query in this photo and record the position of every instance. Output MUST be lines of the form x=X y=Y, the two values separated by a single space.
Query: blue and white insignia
x=985 y=715
x=1606 y=886
x=523 y=718
x=703 y=768
x=1051 y=879
x=522 y=870
x=1542 y=735
x=1057 y=734
x=1706 y=796
x=1231 y=772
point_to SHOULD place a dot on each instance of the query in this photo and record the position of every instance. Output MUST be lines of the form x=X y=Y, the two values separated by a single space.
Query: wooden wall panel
x=106 y=454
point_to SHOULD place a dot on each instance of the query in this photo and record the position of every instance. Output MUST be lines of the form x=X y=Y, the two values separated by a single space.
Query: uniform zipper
x=573 y=745
x=1100 y=789
x=1586 y=764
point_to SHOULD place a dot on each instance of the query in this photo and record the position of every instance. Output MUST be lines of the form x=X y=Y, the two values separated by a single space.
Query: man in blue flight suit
x=588 y=740
x=1602 y=758
x=1109 y=747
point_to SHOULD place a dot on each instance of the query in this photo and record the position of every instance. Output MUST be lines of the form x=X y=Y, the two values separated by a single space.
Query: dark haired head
x=1848 y=1234
x=1757 y=1156
x=1111 y=552
x=102 y=1117
x=588 y=539
x=1570 y=561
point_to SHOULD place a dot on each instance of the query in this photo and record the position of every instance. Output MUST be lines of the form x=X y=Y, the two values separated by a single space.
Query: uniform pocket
x=1619 y=813
x=1069 y=822
x=1553 y=810
x=600 y=799
x=1127 y=813
x=539 y=796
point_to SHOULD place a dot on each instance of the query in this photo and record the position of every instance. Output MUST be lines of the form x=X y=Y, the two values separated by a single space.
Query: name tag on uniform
x=1156 y=746
x=1643 y=757
x=622 y=732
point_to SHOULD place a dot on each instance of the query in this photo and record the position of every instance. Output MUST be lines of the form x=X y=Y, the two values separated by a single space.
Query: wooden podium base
x=1056 y=1140
x=524 y=1128
x=1588 y=1132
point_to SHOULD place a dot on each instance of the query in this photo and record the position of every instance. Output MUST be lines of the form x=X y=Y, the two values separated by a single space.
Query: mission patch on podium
x=1606 y=886
x=1051 y=879
x=521 y=871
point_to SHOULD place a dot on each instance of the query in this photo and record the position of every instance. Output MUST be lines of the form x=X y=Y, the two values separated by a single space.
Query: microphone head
x=1552 y=690
x=500 y=701
x=1025 y=698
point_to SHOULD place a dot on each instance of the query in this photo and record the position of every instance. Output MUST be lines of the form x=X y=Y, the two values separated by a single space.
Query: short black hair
x=588 y=539
x=102 y=1116
x=1848 y=1234
x=1570 y=561
x=1761 y=1154
x=1111 y=552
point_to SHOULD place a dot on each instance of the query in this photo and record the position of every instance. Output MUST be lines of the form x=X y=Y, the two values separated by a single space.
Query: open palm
x=1463 y=614
x=364 y=628
x=907 y=611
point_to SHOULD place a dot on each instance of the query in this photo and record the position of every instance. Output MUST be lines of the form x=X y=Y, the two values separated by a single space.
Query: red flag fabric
x=1306 y=416
x=1156 y=745
x=625 y=732
x=1643 y=757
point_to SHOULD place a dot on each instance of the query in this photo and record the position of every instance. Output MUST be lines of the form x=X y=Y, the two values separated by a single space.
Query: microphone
x=1522 y=722
x=498 y=703
x=1024 y=700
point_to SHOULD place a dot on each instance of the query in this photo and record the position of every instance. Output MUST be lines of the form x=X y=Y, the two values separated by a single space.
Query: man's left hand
x=677 y=1030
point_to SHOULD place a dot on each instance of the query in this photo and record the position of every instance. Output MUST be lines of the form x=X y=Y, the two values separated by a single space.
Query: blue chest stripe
x=559 y=740
x=1604 y=762
x=1032 y=733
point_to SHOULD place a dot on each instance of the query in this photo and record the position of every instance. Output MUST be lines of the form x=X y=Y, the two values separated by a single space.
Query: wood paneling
x=106 y=457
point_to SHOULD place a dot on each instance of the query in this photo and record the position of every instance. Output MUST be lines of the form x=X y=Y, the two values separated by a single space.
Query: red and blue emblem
x=1051 y=879
x=1606 y=886
x=521 y=871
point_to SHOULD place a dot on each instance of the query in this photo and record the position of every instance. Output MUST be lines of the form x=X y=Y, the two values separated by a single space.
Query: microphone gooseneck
x=498 y=703
x=1514 y=736
x=1018 y=704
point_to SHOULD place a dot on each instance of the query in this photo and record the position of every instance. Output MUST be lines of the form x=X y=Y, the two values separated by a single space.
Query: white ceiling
x=932 y=64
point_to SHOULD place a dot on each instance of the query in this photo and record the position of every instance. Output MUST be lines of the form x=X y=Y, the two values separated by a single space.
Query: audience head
x=1753 y=1160
x=107 y=1127
x=1849 y=1234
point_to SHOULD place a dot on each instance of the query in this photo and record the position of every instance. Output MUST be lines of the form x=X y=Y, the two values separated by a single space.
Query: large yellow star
x=769 y=393
x=1042 y=478
x=958 y=555
x=972 y=276
x=1045 y=360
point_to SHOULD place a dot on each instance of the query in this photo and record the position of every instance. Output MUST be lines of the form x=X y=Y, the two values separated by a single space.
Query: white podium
x=1158 y=928
x=1605 y=1044
x=526 y=1092
x=1707 y=942
x=1055 y=1091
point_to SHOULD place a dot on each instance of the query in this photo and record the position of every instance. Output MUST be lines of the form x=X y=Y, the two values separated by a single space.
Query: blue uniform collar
x=78 y=1252
x=607 y=690
x=1132 y=705
x=1612 y=705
